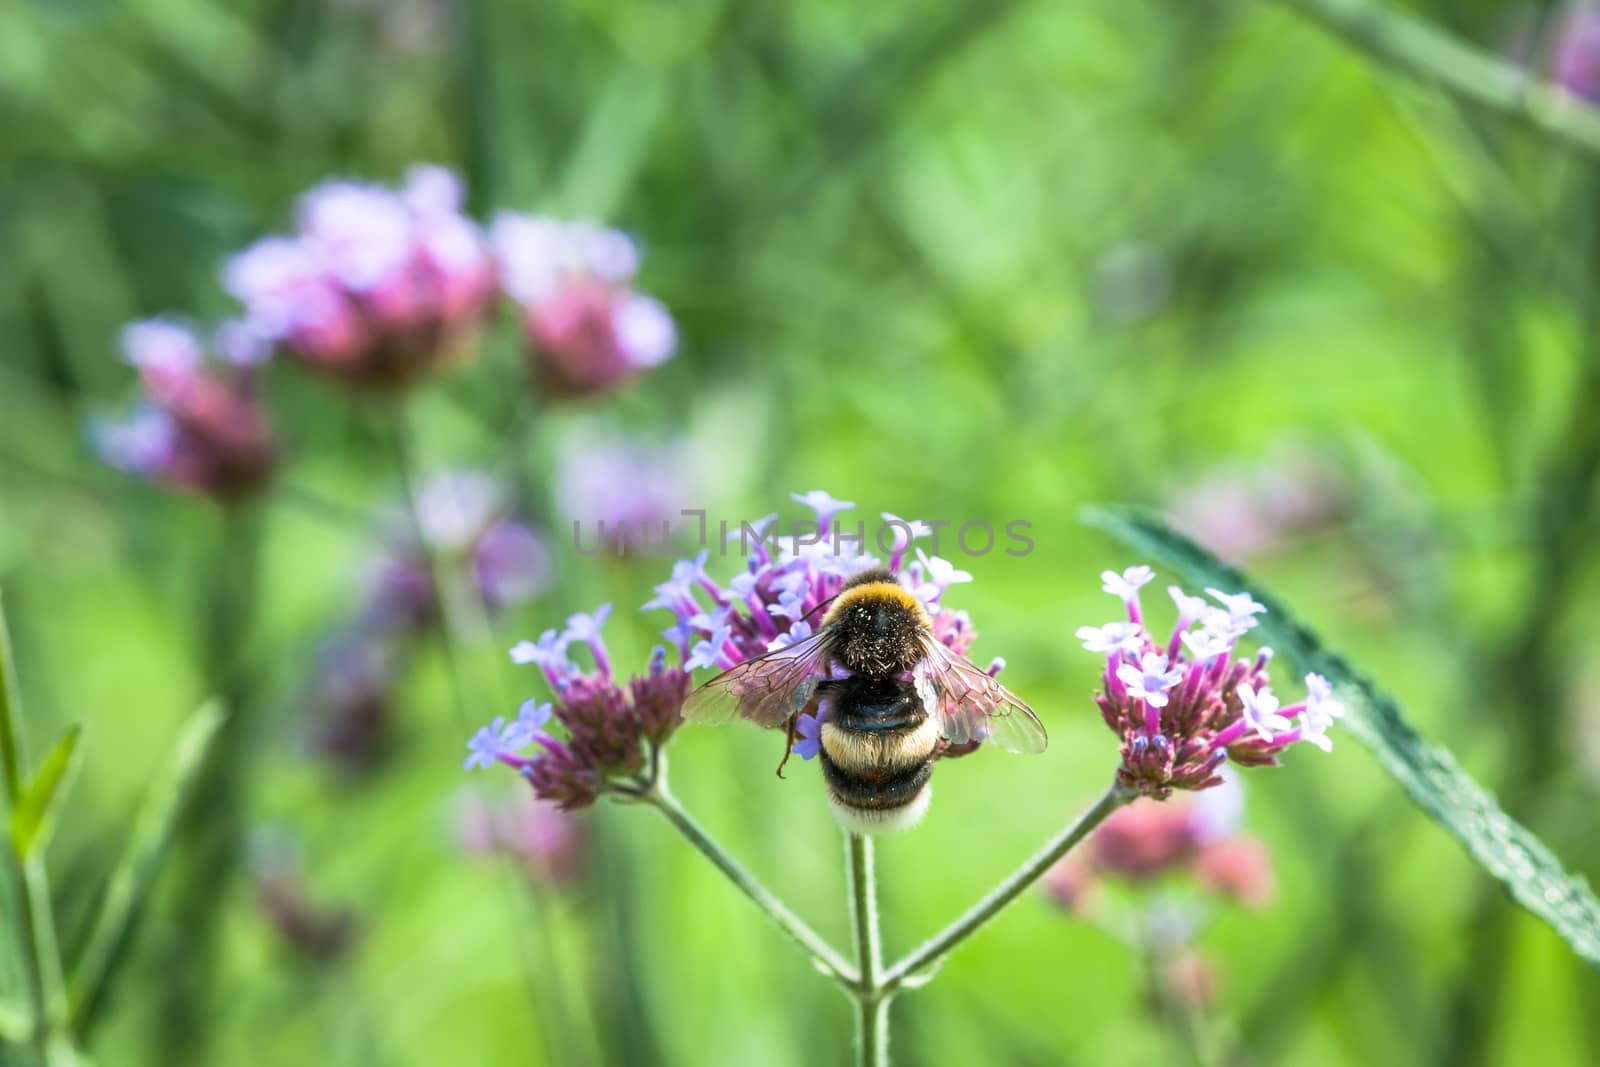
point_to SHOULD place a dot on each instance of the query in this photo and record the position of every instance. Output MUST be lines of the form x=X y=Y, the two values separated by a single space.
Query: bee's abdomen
x=877 y=752
x=880 y=790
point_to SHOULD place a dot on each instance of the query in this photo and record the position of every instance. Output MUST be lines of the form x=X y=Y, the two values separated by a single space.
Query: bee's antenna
x=819 y=607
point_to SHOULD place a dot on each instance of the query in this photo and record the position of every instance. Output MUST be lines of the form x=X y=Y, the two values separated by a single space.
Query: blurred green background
x=962 y=261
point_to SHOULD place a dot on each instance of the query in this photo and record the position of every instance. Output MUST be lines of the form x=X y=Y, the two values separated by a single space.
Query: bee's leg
x=788 y=743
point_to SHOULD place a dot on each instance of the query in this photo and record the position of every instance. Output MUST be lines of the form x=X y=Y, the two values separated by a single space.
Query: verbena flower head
x=1240 y=511
x=617 y=492
x=464 y=522
x=351 y=701
x=773 y=600
x=319 y=932
x=610 y=729
x=1185 y=705
x=549 y=842
x=1196 y=841
x=376 y=287
x=201 y=425
x=587 y=328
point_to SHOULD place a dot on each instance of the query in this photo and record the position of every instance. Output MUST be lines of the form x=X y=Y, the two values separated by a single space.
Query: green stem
x=214 y=823
x=872 y=999
x=451 y=627
x=1427 y=55
x=941 y=944
x=823 y=955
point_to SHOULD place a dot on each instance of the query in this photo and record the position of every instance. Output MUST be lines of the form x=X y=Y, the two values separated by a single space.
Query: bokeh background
x=954 y=260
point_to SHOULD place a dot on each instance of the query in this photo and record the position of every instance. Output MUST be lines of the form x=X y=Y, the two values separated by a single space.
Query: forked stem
x=941 y=944
x=823 y=955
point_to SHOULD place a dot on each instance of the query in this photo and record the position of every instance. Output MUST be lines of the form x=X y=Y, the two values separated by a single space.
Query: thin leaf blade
x=33 y=818
x=12 y=755
x=131 y=881
x=1429 y=774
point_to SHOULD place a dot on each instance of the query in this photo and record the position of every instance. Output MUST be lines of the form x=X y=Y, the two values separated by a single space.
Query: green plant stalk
x=872 y=999
x=213 y=827
x=1432 y=57
x=13 y=743
x=130 y=884
x=935 y=949
x=823 y=956
x=36 y=933
x=461 y=613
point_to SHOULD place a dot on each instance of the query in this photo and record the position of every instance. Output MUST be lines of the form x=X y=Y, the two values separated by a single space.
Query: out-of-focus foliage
x=968 y=262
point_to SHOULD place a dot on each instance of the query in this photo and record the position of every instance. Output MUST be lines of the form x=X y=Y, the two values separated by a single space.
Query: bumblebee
x=889 y=696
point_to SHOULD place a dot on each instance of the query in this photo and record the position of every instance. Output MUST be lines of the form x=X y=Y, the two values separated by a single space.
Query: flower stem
x=822 y=954
x=1432 y=57
x=941 y=944
x=872 y=999
x=213 y=823
x=396 y=428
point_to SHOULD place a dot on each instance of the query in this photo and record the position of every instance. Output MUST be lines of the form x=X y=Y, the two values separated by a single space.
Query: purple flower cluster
x=549 y=843
x=613 y=730
x=622 y=492
x=770 y=604
x=376 y=288
x=588 y=330
x=1185 y=706
x=464 y=522
x=351 y=702
x=773 y=602
x=1145 y=843
x=201 y=425
x=465 y=529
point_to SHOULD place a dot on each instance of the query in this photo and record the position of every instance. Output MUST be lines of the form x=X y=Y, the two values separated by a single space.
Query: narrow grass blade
x=130 y=883
x=1429 y=774
x=13 y=758
x=33 y=818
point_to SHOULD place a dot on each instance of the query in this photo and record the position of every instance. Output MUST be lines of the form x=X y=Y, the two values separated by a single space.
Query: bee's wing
x=766 y=690
x=971 y=705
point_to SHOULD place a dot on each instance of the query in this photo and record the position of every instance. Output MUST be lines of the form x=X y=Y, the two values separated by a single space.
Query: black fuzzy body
x=876 y=625
x=881 y=757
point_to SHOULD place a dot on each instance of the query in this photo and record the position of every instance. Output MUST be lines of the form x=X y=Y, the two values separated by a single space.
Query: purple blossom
x=465 y=526
x=1150 y=679
x=625 y=491
x=588 y=330
x=1119 y=636
x=201 y=426
x=808 y=739
x=1126 y=585
x=499 y=742
x=1576 y=61
x=376 y=287
x=610 y=730
x=773 y=598
x=825 y=506
x=1181 y=714
x=937 y=575
x=351 y=702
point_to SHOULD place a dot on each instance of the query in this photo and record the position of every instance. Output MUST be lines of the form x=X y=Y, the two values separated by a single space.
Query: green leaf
x=33 y=818
x=11 y=734
x=137 y=869
x=1429 y=774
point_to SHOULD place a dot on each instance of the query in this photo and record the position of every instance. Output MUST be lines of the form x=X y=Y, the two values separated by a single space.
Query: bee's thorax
x=877 y=628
